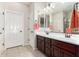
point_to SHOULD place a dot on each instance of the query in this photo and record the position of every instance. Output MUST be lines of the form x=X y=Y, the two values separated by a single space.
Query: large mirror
x=61 y=16
x=44 y=20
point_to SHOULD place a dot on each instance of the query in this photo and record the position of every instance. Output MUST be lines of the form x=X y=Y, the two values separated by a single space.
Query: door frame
x=3 y=39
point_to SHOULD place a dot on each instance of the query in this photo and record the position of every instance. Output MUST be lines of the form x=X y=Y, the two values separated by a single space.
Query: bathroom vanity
x=56 y=44
x=53 y=46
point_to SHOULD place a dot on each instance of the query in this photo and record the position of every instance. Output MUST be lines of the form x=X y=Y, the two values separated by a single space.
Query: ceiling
x=63 y=6
x=26 y=3
x=58 y=6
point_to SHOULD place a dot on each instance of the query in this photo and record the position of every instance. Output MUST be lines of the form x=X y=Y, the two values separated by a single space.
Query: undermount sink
x=47 y=33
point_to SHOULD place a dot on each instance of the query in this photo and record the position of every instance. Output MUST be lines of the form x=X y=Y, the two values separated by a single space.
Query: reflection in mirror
x=57 y=22
x=60 y=17
x=41 y=21
x=66 y=19
x=47 y=21
x=75 y=19
x=71 y=19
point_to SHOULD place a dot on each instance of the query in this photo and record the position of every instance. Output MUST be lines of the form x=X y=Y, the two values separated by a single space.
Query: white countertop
x=61 y=37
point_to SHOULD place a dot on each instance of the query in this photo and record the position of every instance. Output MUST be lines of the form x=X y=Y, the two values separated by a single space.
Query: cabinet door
x=52 y=51
x=38 y=45
x=65 y=53
x=47 y=42
x=47 y=46
x=38 y=42
x=42 y=45
x=56 y=51
x=47 y=51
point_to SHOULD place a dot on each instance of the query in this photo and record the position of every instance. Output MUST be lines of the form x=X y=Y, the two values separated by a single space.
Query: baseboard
x=2 y=51
x=34 y=48
x=27 y=43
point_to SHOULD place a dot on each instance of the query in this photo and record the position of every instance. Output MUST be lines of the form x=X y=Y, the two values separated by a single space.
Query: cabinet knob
x=0 y=32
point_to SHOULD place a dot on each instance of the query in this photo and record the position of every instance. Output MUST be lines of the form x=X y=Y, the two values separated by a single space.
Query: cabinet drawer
x=66 y=46
x=47 y=43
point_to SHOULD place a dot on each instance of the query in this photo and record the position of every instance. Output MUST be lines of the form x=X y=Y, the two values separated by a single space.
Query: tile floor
x=21 y=51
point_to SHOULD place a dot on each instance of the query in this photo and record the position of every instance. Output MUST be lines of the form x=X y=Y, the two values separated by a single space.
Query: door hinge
x=2 y=28
x=3 y=44
x=3 y=13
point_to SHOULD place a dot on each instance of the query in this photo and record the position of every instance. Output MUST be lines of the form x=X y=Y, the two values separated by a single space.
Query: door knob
x=2 y=28
x=20 y=30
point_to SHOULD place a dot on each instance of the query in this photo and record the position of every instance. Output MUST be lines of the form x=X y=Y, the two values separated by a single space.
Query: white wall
x=31 y=28
x=20 y=8
x=34 y=9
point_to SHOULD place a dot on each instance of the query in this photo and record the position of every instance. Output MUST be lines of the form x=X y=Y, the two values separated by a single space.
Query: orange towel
x=75 y=19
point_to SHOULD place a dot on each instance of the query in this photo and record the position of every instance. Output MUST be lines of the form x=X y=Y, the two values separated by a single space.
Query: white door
x=1 y=30
x=14 y=28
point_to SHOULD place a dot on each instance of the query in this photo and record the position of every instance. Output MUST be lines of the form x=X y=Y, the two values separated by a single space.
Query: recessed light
x=63 y=2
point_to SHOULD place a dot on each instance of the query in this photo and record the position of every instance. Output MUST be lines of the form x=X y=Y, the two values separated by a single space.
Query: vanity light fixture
x=52 y=5
x=44 y=9
x=48 y=8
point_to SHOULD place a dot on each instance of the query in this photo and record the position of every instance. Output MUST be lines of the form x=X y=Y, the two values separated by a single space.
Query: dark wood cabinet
x=40 y=43
x=66 y=46
x=63 y=49
x=65 y=53
x=56 y=51
x=47 y=47
x=52 y=51
x=47 y=52
x=56 y=48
